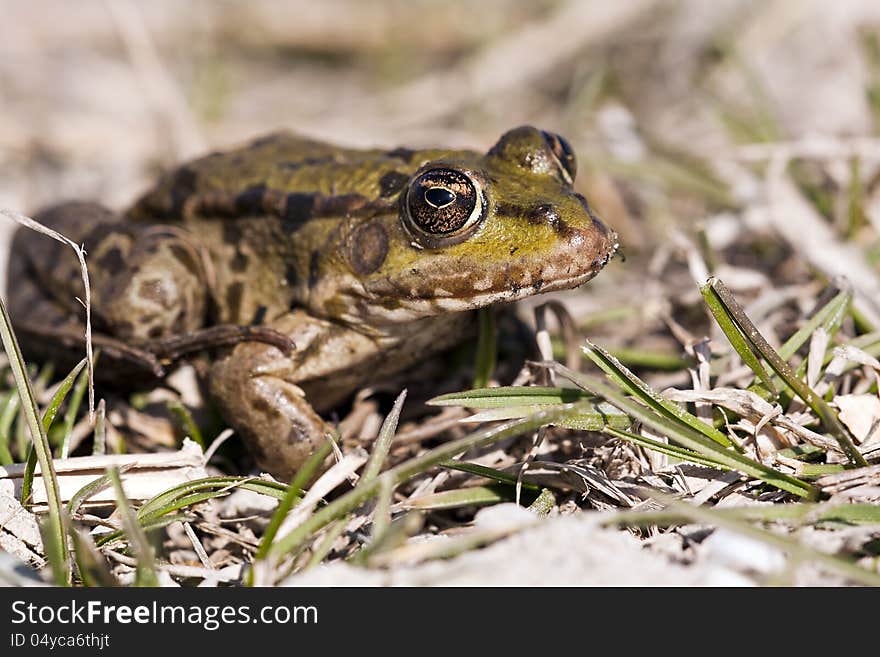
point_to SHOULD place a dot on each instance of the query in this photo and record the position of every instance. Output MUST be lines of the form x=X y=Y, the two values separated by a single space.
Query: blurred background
x=738 y=131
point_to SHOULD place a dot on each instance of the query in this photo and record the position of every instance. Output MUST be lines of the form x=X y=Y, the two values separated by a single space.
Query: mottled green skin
x=313 y=240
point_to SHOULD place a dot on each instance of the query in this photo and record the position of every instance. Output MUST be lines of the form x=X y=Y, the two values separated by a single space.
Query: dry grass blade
x=27 y=222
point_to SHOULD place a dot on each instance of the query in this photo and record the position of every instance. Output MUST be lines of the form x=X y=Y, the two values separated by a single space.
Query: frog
x=366 y=260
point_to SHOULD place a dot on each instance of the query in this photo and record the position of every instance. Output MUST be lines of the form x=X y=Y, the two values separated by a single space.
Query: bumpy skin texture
x=368 y=259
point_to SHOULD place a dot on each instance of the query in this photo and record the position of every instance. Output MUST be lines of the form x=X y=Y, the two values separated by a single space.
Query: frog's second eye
x=441 y=205
x=563 y=153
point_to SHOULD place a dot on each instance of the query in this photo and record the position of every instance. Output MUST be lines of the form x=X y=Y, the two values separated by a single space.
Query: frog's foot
x=270 y=413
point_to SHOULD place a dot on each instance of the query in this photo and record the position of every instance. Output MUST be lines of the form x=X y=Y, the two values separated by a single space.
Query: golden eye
x=442 y=203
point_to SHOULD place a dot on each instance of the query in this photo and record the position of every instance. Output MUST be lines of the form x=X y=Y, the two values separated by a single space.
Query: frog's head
x=474 y=229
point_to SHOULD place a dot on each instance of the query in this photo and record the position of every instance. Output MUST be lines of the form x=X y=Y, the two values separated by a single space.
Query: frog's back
x=253 y=178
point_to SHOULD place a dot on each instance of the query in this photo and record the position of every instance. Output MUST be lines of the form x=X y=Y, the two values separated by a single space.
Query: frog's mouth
x=548 y=280
x=457 y=291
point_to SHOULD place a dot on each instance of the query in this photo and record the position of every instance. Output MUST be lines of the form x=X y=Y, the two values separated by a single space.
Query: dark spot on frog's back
x=112 y=261
x=391 y=183
x=368 y=247
x=291 y=275
x=232 y=232
x=314 y=258
x=234 y=294
x=298 y=209
x=183 y=185
x=239 y=262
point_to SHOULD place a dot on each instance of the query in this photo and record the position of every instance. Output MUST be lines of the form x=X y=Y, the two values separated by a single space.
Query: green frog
x=365 y=261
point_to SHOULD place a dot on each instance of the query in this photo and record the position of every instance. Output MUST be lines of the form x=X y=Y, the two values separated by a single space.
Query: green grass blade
x=91 y=565
x=487 y=348
x=800 y=513
x=92 y=488
x=57 y=558
x=292 y=497
x=738 y=340
x=7 y=417
x=381 y=514
x=797 y=550
x=687 y=437
x=664 y=361
x=190 y=428
x=147 y=526
x=665 y=448
x=354 y=498
x=721 y=295
x=326 y=544
x=489 y=473
x=61 y=394
x=383 y=442
x=76 y=397
x=55 y=523
x=27 y=482
x=632 y=384
x=830 y=317
x=510 y=396
x=460 y=497
x=160 y=503
x=146 y=566
x=99 y=435
x=594 y=416
x=185 y=501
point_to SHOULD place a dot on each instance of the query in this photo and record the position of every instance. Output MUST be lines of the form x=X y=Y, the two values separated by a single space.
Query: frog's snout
x=585 y=242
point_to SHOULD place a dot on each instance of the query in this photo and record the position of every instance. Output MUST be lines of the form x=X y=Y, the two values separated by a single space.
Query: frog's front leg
x=273 y=400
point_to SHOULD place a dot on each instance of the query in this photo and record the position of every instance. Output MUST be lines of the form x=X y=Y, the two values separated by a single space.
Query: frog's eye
x=563 y=153
x=441 y=205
